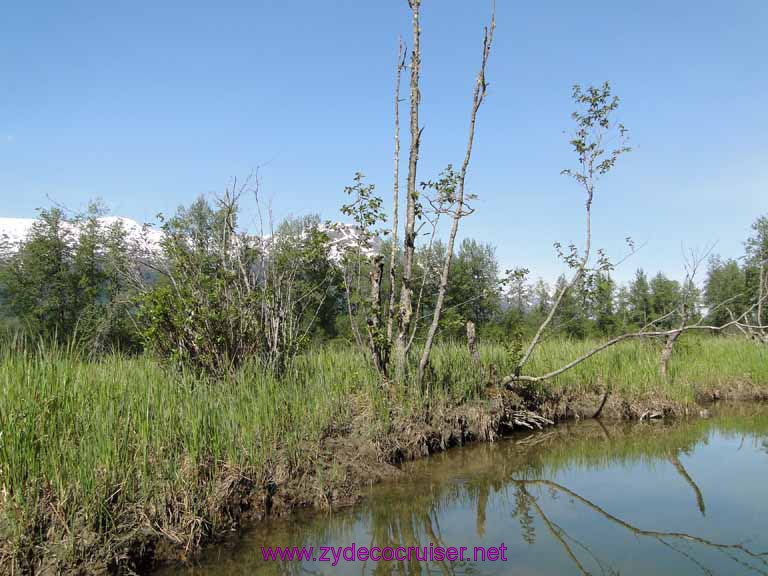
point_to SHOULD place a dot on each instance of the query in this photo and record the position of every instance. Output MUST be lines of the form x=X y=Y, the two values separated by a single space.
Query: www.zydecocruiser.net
x=352 y=553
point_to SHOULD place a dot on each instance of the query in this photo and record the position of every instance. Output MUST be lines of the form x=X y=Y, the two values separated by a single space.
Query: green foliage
x=602 y=301
x=473 y=285
x=756 y=265
x=726 y=283
x=666 y=299
x=365 y=210
x=64 y=282
x=571 y=317
x=593 y=123
x=225 y=296
x=193 y=314
x=640 y=302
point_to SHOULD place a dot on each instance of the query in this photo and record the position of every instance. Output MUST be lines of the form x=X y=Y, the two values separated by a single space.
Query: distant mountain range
x=13 y=231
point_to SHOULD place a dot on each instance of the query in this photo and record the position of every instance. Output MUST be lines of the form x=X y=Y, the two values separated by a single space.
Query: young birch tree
x=594 y=131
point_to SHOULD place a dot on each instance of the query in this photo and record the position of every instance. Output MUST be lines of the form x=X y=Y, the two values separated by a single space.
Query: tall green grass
x=85 y=443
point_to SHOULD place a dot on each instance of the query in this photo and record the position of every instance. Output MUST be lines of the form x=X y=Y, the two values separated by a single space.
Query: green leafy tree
x=63 y=281
x=756 y=269
x=571 y=316
x=666 y=299
x=38 y=281
x=473 y=285
x=225 y=296
x=725 y=292
x=603 y=305
x=640 y=304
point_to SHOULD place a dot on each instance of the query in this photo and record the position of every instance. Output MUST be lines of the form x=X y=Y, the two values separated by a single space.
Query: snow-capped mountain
x=342 y=236
x=13 y=232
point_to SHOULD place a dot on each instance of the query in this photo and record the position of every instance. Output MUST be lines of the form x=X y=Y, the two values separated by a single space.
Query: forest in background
x=77 y=278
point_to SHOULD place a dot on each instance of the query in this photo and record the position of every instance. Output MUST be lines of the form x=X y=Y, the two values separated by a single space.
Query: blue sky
x=149 y=104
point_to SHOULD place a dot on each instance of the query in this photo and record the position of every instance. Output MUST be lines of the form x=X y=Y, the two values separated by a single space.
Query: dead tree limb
x=459 y=211
x=378 y=345
x=685 y=311
x=613 y=341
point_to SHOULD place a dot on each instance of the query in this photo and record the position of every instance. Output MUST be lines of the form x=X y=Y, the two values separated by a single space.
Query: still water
x=587 y=498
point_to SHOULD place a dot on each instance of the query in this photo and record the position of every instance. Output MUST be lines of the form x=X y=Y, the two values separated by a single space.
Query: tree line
x=77 y=278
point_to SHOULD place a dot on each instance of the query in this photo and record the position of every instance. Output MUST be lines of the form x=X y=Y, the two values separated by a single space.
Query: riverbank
x=617 y=487
x=118 y=465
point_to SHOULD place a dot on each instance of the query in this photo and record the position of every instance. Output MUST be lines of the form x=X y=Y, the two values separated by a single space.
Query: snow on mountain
x=13 y=232
x=341 y=236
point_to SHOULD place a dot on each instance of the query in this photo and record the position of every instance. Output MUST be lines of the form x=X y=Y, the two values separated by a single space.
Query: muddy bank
x=330 y=475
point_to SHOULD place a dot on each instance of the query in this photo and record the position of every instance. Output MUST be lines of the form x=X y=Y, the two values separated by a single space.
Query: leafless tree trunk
x=692 y=265
x=472 y=343
x=409 y=240
x=762 y=296
x=459 y=210
x=666 y=352
x=395 y=200
x=375 y=337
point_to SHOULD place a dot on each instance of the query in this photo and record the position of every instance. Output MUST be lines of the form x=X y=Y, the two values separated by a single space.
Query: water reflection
x=590 y=498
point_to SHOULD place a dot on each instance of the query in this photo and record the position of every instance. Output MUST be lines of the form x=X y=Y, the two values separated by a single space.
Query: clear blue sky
x=148 y=104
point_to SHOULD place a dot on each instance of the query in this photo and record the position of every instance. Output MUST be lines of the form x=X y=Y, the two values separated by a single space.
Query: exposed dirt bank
x=332 y=474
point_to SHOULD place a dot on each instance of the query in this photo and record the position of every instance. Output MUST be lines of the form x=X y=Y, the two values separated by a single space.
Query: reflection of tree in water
x=754 y=561
x=409 y=515
x=518 y=473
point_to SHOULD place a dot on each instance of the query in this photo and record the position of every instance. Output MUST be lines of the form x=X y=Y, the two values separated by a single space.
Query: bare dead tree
x=452 y=194
x=685 y=310
x=376 y=338
x=409 y=237
x=395 y=198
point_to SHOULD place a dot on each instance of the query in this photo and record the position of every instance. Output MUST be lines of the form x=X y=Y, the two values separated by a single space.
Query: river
x=678 y=498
